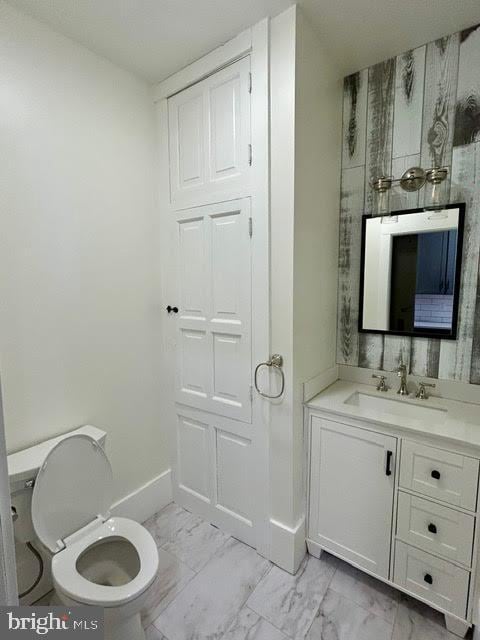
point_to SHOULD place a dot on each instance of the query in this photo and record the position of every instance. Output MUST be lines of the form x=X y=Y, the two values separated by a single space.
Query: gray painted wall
x=420 y=108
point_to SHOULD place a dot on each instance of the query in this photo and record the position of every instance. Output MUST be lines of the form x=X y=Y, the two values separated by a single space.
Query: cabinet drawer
x=443 y=475
x=435 y=528
x=437 y=581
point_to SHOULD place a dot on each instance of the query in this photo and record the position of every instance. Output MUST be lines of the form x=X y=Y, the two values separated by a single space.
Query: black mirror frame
x=430 y=333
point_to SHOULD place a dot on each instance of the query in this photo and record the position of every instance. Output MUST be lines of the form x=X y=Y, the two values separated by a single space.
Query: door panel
x=193 y=458
x=192 y=259
x=233 y=487
x=213 y=325
x=225 y=123
x=193 y=352
x=351 y=493
x=209 y=133
x=190 y=117
x=215 y=469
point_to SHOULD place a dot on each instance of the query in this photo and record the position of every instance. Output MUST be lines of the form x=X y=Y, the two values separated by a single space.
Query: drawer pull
x=435 y=474
x=432 y=528
x=428 y=578
x=388 y=466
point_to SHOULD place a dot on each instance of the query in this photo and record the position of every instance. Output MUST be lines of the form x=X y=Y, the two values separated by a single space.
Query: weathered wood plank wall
x=421 y=108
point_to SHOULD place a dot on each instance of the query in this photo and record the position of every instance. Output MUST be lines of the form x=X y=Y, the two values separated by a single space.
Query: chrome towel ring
x=276 y=361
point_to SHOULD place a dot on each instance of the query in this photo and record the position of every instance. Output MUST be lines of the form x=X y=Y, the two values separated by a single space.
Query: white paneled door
x=214 y=293
x=213 y=320
x=209 y=138
x=215 y=438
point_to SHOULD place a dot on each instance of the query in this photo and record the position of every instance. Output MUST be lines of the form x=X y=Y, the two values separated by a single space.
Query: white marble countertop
x=458 y=422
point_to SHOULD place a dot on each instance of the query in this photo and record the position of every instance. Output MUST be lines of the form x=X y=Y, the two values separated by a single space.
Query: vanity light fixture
x=412 y=180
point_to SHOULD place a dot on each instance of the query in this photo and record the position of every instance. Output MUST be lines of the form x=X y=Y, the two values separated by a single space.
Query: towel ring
x=276 y=361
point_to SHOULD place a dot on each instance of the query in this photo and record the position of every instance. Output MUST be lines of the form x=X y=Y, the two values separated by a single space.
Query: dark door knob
x=428 y=578
x=170 y=309
x=435 y=474
x=432 y=528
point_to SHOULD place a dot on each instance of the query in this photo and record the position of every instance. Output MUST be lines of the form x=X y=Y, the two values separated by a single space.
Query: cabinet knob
x=432 y=528
x=435 y=474
x=428 y=578
x=170 y=309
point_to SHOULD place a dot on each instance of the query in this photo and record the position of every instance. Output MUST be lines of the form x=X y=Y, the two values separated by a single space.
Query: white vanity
x=393 y=487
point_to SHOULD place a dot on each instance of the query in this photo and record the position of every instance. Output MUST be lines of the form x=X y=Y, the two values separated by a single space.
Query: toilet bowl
x=96 y=559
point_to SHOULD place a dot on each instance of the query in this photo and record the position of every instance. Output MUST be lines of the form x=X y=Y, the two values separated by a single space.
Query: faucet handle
x=382 y=385
x=422 y=392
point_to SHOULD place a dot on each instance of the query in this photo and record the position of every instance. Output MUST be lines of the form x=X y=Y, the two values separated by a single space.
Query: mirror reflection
x=411 y=265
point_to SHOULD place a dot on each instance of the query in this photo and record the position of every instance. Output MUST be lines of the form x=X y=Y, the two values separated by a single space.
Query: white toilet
x=97 y=560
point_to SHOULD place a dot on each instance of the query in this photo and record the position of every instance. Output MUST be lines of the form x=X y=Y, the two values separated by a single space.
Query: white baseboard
x=287 y=544
x=147 y=500
x=318 y=383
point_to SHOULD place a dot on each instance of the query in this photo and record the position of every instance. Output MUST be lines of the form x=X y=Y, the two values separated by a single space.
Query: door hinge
x=250 y=155
x=251 y=393
x=250 y=82
x=250 y=227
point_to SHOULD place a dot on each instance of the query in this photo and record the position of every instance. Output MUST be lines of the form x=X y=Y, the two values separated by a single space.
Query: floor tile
x=206 y=607
x=152 y=633
x=417 y=621
x=186 y=536
x=45 y=600
x=371 y=594
x=165 y=525
x=291 y=602
x=172 y=576
x=341 y=619
x=248 y=625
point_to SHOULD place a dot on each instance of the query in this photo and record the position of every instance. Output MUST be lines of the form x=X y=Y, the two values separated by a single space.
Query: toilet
x=97 y=560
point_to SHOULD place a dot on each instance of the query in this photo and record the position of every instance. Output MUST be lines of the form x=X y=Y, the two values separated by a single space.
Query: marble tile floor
x=213 y=587
x=210 y=586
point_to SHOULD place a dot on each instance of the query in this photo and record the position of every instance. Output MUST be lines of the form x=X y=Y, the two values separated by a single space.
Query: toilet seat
x=67 y=578
x=73 y=488
x=70 y=513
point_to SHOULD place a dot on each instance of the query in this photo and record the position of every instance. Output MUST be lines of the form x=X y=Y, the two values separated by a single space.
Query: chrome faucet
x=402 y=374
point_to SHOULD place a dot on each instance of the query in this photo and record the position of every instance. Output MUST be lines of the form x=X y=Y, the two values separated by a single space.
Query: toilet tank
x=23 y=467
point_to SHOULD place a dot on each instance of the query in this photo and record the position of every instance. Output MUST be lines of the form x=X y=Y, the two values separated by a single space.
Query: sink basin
x=399 y=407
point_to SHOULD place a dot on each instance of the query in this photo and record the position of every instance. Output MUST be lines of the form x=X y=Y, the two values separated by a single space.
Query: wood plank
x=467 y=110
x=441 y=74
x=354 y=119
x=407 y=136
x=456 y=357
x=381 y=86
x=351 y=209
x=381 y=90
x=475 y=368
x=425 y=357
x=399 y=198
x=397 y=349
x=409 y=88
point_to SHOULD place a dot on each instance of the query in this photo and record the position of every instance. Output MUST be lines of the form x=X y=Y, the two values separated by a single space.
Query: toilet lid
x=72 y=488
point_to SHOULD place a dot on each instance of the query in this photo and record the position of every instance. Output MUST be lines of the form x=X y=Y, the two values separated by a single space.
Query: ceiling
x=155 y=38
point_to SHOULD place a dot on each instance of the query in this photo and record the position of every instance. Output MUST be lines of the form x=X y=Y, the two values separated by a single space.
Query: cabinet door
x=209 y=138
x=351 y=493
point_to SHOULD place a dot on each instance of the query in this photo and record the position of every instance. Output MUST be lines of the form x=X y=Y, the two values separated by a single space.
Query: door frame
x=253 y=42
x=8 y=571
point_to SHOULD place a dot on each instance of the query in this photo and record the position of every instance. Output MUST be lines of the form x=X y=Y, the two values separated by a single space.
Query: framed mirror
x=410 y=272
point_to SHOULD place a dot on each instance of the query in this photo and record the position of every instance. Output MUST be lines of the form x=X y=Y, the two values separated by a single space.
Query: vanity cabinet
x=398 y=507
x=352 y=495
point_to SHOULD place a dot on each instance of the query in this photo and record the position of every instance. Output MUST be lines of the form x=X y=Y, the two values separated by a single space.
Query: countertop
x=459 y=422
